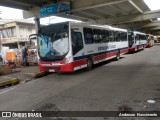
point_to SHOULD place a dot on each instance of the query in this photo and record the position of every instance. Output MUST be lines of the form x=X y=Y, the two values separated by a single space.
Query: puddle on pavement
x=151 y=101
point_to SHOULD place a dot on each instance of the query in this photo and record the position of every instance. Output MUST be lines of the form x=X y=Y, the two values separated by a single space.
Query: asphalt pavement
x=110 y=86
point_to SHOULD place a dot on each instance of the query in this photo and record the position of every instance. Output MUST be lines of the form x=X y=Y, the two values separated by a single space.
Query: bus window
x=111 y=36
x=88 y=36
x=140 y=37
x=123 y=36
x=117 y=36
x=137 y=37
x=97 y=35
x=77 y=42
x=105 y=36
x=130 y=39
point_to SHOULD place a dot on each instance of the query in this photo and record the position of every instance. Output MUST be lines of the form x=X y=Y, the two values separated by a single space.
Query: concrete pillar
x=37 y=24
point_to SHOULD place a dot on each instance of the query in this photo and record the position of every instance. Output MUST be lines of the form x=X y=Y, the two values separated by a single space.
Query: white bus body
x=83 y=46
x=137 y=41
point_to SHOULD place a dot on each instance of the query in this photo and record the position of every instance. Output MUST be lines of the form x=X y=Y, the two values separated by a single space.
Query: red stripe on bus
x=124 y=51
x=80 y=62
x=70 y=67
x=104 y=56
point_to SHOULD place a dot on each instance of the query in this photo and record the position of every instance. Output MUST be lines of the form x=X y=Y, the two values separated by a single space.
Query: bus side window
x=88 y=36
x=123 y=36
x=97 y=35
x=140 y=37
x=144 y=37
x=77 y=42
x=136 y=38
x=105 y=36
x=117 y=36
x=120 y=36
x=111 y=36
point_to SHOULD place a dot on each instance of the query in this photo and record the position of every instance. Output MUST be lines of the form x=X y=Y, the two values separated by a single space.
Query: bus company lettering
x=102 y=48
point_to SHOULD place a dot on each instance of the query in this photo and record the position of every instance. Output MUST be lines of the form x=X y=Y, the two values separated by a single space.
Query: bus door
x=77 y=42
x=131 y=39
x=77 y=50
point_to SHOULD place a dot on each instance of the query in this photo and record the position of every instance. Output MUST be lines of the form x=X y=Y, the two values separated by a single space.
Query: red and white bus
x=150 y=40
x=137 y=41
x=70 y=46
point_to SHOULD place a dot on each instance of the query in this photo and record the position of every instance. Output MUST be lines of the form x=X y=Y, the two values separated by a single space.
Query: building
x=15 y=33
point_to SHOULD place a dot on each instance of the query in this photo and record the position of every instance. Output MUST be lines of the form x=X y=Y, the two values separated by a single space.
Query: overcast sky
x=153 y=4
x=10 y=13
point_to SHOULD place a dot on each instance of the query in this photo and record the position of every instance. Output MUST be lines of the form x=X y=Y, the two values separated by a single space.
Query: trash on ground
x=151 y=101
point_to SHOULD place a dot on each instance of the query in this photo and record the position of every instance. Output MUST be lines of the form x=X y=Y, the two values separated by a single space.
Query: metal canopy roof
x=130 y=14
x=25 y=4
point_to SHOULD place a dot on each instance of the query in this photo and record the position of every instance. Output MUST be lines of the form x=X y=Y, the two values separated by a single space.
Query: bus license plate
x=51 y=70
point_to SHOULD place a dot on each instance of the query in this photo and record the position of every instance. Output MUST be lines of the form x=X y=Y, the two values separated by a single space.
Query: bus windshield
x=53 y=42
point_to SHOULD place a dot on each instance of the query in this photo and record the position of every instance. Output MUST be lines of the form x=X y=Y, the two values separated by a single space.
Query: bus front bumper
x=58 y=68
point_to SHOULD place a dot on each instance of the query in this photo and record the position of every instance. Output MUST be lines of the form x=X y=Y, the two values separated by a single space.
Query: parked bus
x=150 y=40
x=155 y=39
x=137 y=41
x=69 y=46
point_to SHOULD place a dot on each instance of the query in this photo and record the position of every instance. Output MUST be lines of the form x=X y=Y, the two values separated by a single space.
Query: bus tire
x=118 y=56
x=89 y=64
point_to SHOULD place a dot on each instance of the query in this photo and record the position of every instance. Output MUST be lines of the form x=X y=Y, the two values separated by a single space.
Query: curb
x=38 y=74
x=9 y=82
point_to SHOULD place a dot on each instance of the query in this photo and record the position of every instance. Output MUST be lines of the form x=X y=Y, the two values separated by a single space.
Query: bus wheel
x=118 y=56
x=89 y=64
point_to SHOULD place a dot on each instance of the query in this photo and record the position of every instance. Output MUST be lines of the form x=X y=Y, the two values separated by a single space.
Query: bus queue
x=70 y=46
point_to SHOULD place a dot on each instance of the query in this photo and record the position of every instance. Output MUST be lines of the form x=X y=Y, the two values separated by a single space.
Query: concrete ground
x=20 y=75
x=129 y=82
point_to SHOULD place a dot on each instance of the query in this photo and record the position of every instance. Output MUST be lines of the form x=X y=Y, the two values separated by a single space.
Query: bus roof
x=137 y=32
x=83 y=24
